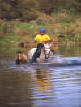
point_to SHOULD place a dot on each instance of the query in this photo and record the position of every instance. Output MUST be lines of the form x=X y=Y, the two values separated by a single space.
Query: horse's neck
x=47 y=46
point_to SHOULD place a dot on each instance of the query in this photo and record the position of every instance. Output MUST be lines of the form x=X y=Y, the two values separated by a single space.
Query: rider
x=40 y=39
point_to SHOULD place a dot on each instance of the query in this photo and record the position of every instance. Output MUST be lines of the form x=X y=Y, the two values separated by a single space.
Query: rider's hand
x=45 y=41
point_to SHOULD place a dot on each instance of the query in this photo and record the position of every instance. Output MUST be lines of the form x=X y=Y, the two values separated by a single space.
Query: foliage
x=18 y=9
x=8 y=44
x=27 y=10
x=77 y=4
x=57 y=16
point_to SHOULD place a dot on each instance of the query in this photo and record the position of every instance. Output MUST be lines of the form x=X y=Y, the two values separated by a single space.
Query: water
x=37 y=86
x=41 y=85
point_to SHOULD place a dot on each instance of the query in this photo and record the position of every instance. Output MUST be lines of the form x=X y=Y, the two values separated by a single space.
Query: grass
x=61 y=24
x=8 y=45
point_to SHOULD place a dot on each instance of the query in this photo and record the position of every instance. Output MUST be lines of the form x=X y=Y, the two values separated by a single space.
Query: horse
x=46 y=53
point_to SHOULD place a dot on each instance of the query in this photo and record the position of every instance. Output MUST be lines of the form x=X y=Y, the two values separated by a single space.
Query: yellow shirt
x=41 y=38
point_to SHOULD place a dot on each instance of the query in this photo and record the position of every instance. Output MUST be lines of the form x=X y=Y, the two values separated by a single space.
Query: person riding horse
x=33 y=55
x=40 y=39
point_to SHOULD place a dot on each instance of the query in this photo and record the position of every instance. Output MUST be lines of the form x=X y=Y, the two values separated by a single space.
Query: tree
x=77 y=4
x=49 y=6
x=27 y=9
x=21 y=9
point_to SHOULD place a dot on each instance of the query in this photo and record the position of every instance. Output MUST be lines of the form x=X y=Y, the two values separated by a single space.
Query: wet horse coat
x=44 y=54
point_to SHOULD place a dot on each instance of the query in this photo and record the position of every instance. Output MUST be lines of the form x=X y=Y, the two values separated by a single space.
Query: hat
x=42 y=30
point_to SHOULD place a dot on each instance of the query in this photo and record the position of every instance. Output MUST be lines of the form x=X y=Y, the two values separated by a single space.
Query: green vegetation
x=8 y=45
x=20 y=20
x=66 y=26
x=27 y=10
x=18 y=9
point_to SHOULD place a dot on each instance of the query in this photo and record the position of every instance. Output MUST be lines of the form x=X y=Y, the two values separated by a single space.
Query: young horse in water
x=20 y=57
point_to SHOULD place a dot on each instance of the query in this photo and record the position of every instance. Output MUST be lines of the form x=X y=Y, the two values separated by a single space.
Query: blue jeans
x=38 y=52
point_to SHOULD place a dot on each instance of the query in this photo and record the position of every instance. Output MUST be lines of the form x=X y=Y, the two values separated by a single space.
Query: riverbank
x=64 y=25
x=64 y=28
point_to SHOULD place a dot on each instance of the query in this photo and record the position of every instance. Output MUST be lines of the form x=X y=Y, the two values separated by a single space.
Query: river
x=41 y=86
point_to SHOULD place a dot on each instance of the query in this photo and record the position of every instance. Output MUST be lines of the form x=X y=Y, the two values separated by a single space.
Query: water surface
x=40 y=86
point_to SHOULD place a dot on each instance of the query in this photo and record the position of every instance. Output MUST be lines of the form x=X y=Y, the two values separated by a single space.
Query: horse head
x=47 y=47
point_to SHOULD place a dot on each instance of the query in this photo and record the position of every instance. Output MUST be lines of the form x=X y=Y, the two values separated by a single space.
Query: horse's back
x=31 y=53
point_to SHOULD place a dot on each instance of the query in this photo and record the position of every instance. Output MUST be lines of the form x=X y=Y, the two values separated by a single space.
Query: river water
x=41 y=86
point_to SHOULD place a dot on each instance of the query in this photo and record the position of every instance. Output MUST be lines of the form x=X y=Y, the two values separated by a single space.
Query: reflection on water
x=42 y=84
x=42 y=79
x=69 y=51
x=15 y=89
x=50 y=87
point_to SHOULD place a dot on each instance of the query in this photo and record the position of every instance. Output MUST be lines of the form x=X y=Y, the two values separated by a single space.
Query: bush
x=29 y=15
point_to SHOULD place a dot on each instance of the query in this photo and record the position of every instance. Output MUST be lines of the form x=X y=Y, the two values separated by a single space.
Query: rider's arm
x=38 y=39
x=46 y=39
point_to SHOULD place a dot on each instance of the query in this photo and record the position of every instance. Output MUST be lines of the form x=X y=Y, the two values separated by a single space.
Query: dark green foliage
x=48 y=6
x=77 y=4
x=28 y=9
x=18 y=9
